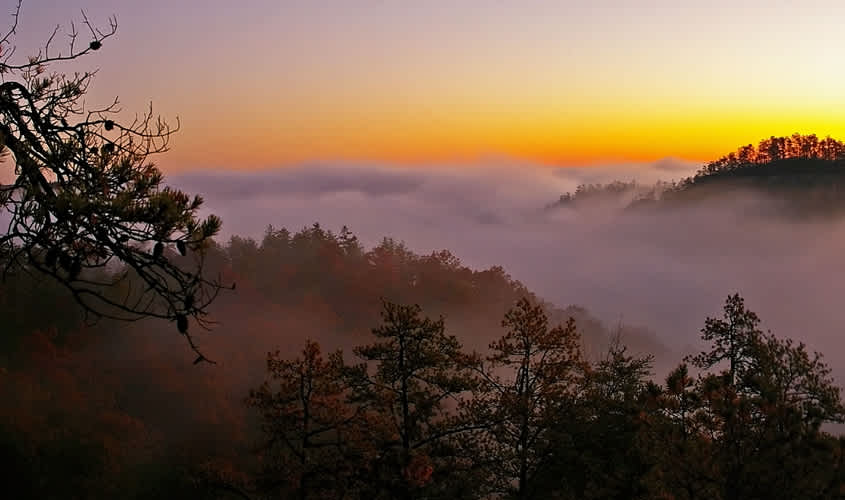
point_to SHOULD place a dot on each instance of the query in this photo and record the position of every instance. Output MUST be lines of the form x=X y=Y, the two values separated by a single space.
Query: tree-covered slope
x=805 y=175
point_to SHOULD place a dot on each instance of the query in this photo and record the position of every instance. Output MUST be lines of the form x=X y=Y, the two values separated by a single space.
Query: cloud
x=489 y=195
x=667 y=271
x=316 y=180
x=665 y=169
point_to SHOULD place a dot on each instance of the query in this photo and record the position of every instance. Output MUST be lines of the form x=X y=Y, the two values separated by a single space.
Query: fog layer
x=666 y=270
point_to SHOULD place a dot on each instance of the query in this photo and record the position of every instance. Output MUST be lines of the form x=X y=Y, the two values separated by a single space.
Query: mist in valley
x=664 y=270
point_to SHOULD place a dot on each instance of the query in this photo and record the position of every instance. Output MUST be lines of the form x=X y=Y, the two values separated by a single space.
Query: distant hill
x=804 y=174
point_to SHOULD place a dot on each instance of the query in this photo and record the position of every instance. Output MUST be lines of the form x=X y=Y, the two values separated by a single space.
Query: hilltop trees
x=806 y=171
x=773 y=149
x=87 y=206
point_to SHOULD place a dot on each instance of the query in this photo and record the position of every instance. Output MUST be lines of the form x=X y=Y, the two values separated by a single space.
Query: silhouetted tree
x=733 y=337
x=678 y=443
x=597 y=442
x=764 y=407
x=314 y=446
x=87 y=206
x=417 y=374
x=529 y=378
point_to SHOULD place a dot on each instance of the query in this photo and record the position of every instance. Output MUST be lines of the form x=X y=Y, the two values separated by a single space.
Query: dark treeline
x=333 y=276
x=119 y=410
x=805 y=172
x=774 y=149
x=480 y=391
x=412 y=416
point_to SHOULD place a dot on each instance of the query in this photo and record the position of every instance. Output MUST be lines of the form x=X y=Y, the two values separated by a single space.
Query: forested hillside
x=802 y=174
x=125 y=404
x=480 y=391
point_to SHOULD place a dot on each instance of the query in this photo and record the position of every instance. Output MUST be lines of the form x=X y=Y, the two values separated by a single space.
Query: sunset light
x=422 y=249
x=558 y=83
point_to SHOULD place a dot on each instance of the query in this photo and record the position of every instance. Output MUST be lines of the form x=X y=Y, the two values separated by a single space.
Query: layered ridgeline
x=805 y=175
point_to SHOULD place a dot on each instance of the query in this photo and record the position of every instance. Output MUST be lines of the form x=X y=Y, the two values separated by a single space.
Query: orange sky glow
x=277 y=83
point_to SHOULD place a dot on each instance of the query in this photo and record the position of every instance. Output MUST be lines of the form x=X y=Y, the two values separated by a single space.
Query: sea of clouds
x=666 y=271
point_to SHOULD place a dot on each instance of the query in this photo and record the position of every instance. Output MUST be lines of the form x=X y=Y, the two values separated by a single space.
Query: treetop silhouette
x=87 y=206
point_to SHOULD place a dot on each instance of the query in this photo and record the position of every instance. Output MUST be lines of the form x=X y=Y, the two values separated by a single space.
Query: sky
x=260 y=84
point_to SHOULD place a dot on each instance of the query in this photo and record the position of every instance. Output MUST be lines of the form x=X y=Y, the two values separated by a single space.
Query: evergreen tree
x=417 y=375
x=529 y=378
